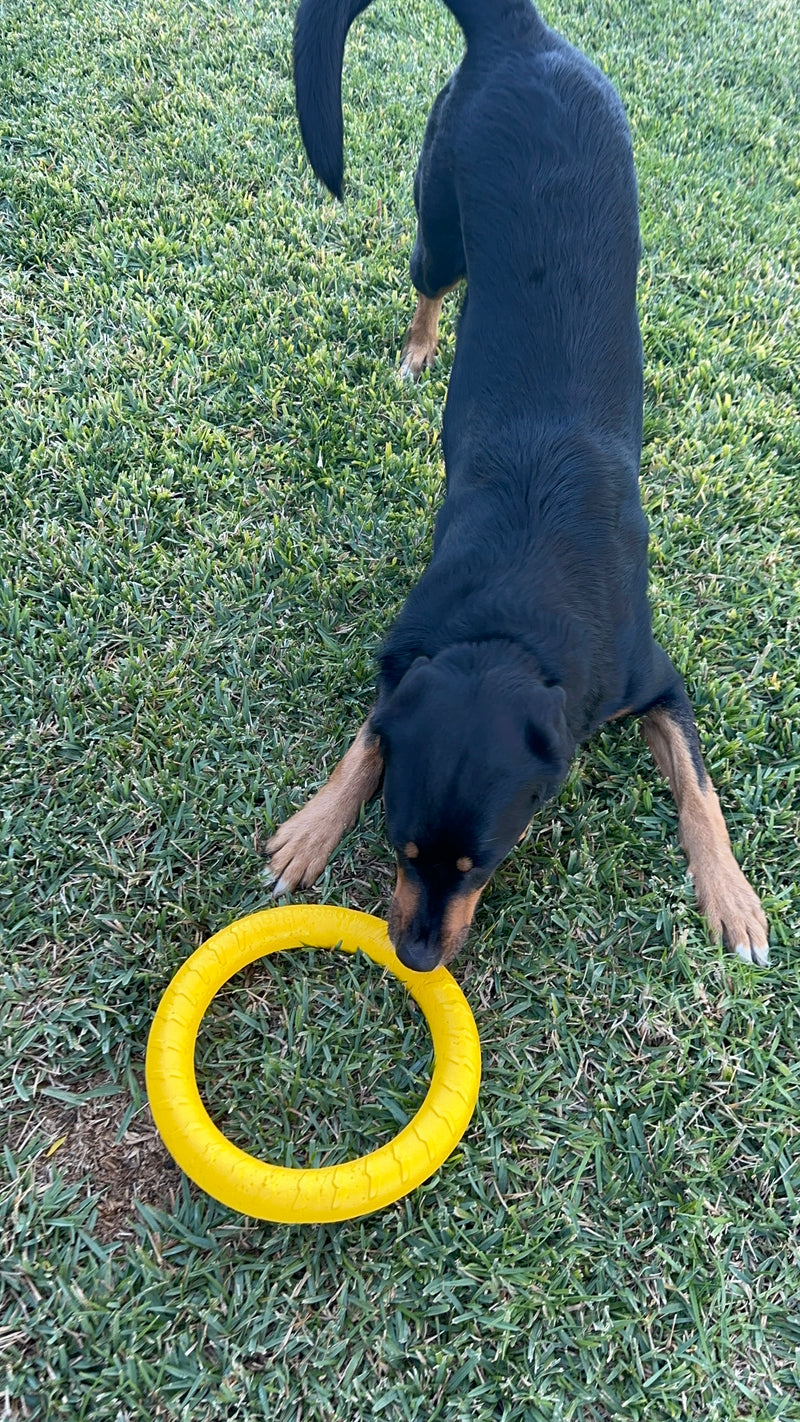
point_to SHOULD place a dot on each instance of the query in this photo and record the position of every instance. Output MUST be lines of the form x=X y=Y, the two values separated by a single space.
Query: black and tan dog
x=531 y=625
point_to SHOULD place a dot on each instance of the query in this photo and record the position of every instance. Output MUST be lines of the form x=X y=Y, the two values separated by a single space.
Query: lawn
x=216 y=493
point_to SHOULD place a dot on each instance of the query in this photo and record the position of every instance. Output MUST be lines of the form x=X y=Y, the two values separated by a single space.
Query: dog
x=531 y=626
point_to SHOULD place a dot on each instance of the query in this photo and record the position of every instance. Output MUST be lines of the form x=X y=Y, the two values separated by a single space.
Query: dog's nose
x=418 y=954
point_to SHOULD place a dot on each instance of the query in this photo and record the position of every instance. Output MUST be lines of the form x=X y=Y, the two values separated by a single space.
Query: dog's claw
x=753 y=954
x=279 y=888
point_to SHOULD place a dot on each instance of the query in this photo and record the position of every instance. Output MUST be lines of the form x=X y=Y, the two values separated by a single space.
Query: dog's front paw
x=299 y=849
x=734 y=912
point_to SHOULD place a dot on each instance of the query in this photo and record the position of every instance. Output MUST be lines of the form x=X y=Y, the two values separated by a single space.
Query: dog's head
x=472 y=743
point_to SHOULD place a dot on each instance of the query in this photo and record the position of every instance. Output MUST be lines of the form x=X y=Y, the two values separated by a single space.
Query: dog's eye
x=464 y=864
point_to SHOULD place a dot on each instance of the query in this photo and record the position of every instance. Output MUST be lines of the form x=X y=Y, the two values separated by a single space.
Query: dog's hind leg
x=437 y=262
x=731 y=908
x=422 y=336
x=300 y=848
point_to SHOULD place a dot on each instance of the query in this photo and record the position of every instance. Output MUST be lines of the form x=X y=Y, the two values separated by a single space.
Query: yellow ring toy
x=335 y=1192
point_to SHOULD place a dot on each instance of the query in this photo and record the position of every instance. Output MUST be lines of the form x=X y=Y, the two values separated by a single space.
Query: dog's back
x=544 y=180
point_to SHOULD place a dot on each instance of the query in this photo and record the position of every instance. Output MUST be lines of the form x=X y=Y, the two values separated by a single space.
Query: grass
x=215 y=494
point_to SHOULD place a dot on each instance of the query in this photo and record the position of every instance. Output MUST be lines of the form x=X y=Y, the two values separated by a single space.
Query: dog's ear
x=395 y=704
x=546 y=733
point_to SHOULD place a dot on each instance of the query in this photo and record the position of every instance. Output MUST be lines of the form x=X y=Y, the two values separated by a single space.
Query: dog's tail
x=319 y=37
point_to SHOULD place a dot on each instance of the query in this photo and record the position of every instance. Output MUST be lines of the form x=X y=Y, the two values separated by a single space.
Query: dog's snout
x=412 y=931
x=418 y=954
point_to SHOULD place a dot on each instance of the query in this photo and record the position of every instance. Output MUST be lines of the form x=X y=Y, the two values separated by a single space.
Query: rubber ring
x=336 y=1192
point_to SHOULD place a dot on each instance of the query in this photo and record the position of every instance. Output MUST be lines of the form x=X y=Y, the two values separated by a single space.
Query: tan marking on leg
x=300 y=848
x=403 y=906
x=731 y=908
x=457 y=923
x=422 y=336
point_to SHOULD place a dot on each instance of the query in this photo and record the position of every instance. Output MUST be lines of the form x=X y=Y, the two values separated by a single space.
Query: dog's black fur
x=531 y=625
